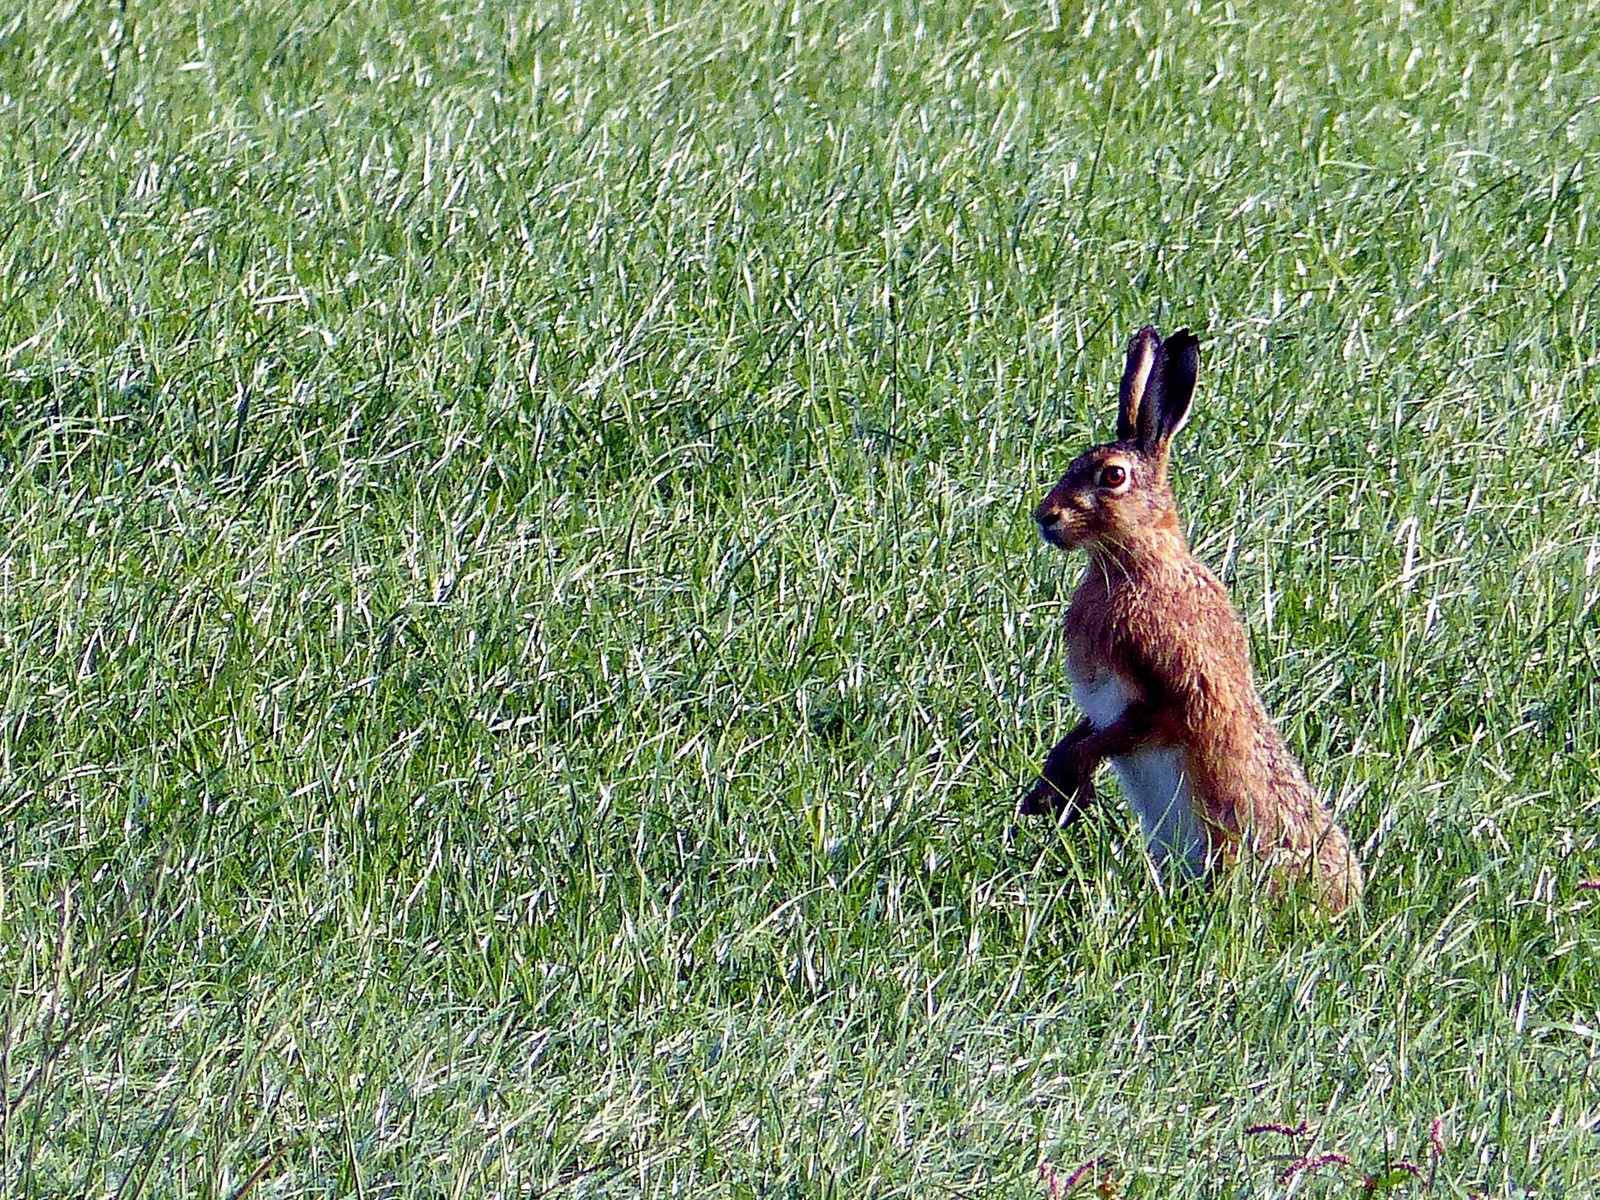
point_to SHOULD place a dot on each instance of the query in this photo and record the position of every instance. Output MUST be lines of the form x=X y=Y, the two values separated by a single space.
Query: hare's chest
x=1103 y=695
x=1155 y=778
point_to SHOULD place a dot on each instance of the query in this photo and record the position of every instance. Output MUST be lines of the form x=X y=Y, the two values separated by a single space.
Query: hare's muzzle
x=1048 y=517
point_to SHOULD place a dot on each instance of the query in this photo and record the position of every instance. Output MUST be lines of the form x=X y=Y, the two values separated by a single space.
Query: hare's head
x=1114 y=498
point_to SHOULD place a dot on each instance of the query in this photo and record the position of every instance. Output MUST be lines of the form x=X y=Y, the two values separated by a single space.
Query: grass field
x=521 y=631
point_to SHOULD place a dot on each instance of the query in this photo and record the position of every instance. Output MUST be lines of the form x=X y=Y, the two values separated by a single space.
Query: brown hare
x=1160 y=665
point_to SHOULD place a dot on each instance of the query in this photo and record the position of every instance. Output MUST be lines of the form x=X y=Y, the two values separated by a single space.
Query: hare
x=1160 y=665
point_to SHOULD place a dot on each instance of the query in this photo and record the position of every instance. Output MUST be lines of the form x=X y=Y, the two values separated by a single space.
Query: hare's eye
x=1113 y=476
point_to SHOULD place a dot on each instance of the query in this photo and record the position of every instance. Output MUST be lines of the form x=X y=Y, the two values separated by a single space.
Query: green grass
x=521 y=631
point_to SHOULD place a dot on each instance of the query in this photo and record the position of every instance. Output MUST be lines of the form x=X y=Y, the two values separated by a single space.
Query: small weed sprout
x=1058 y=1188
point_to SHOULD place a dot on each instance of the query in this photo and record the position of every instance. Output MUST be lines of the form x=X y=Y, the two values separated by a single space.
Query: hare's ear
x=1142 y=353
x=1169 y=392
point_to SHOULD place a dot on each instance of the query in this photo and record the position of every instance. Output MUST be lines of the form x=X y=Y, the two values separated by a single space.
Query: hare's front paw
x=1064 y=787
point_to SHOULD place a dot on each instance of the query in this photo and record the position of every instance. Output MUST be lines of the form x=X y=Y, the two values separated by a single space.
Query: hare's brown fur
x=1154 y=646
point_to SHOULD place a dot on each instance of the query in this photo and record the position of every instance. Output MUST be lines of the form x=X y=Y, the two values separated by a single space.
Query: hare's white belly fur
x=1155 y=779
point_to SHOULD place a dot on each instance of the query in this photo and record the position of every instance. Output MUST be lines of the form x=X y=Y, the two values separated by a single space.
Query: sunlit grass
x=522 y=634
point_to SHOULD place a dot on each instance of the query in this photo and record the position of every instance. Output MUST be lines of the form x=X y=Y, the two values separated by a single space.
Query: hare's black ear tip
x=1182 y=345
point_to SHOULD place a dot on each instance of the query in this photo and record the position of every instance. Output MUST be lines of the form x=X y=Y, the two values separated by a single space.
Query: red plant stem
x=1300 y=1130
x=1077 y=1176
x=1312 y=1163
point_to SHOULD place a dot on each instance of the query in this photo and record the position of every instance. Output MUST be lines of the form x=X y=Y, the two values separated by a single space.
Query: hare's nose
x=1047 y=516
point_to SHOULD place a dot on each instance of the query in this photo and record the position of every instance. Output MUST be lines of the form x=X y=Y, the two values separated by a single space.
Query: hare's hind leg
x=1338 y=875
